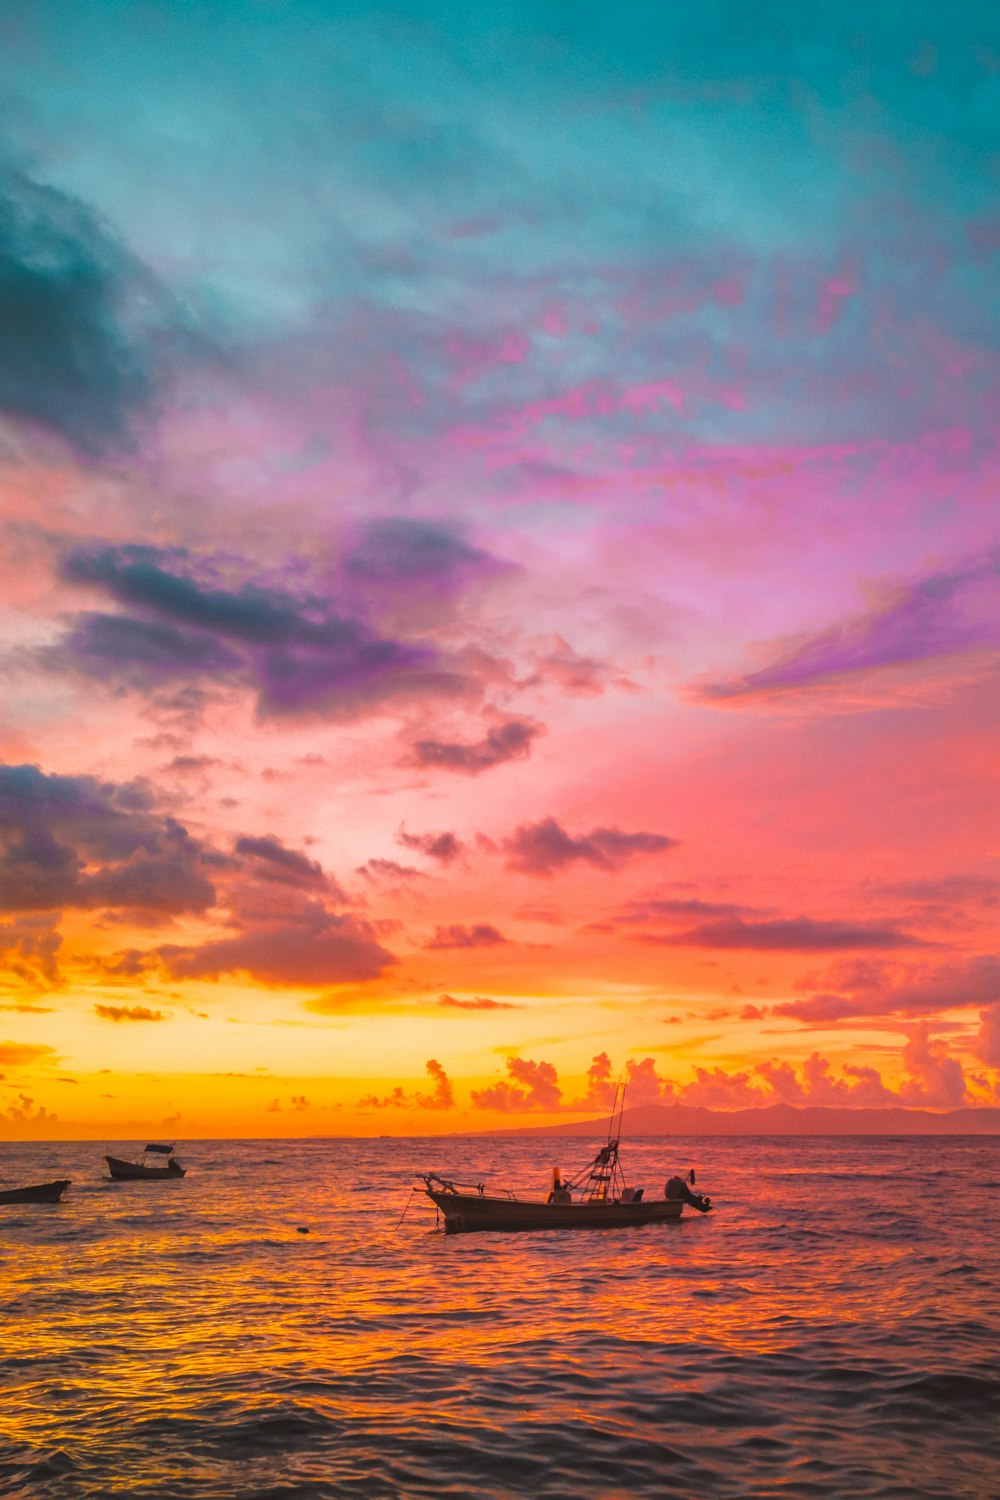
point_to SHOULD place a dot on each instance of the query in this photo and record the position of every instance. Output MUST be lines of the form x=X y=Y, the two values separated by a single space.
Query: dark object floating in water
x=41 y=1192
x=596 y=1198
x=300 y=1230
x=132 y=1171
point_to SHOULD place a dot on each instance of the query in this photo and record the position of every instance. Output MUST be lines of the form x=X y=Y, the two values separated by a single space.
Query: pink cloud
x=936 y=1079
x=530 y=1086
x=865 y=988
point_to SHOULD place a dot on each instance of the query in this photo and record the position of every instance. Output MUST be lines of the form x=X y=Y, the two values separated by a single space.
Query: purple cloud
x=401 y=551
x=789 y=935
x=271 y=860
x=75 y=842
x=299 y=652
x=511 y=740
x=544 y=847
x=939 y=615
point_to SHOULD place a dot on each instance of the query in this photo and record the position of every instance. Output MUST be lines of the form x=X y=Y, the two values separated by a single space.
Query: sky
x=499 y=562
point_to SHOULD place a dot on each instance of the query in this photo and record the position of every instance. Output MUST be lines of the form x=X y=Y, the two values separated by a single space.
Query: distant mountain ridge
x=779 y=1119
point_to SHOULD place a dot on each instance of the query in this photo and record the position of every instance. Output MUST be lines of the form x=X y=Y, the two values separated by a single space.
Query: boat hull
x=41 y=1192
x=131 y=1171
x=468 y=1213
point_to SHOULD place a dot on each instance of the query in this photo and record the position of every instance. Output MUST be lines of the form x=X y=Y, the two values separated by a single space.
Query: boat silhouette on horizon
x=139 y=1170
x=39 y=1192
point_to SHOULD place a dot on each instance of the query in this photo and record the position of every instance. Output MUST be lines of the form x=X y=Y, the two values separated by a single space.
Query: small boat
x=597 y=1198
x=139 y=1170
x=40 y=1192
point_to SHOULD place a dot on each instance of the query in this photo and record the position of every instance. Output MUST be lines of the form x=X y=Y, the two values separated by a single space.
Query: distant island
x=779 y=1119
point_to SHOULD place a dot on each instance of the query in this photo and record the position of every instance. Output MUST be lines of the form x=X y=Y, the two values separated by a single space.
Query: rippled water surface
x=832 y=1329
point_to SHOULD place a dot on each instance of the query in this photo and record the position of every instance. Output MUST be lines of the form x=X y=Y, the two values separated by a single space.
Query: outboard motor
x=677 y=1188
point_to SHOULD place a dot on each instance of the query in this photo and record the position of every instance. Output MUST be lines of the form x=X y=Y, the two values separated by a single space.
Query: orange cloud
x=129 y=1013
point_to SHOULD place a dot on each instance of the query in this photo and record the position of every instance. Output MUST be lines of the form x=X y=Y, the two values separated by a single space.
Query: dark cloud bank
x=74 y=842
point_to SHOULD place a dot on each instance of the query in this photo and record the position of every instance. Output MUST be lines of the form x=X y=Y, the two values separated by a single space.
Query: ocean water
x=831 y=1329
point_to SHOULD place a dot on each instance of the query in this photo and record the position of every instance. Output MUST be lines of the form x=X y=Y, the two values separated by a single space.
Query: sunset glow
x=500 y=570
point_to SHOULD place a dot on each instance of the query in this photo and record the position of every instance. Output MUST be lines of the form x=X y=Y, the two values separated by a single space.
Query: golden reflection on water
x=183 y=1338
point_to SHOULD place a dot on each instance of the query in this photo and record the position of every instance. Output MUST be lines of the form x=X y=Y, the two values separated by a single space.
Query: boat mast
x=604 y=1179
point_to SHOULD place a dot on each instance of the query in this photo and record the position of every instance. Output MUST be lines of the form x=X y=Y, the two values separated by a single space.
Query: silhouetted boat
x=597 y=1198
x=138 y=1170
x=41 y=1192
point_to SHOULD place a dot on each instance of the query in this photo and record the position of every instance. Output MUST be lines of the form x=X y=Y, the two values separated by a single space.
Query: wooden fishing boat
x=468 y=1210
x=139 y=1170
x=597 y=1198
x=40 y=1192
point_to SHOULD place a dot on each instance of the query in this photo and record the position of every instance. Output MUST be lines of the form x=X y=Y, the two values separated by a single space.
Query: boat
x=139 y=1170
x=597 y=1198
x=40 y=1192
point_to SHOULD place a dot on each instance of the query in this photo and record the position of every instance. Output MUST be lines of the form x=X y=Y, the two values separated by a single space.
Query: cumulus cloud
x=936 y=1078
x=444 y=847
x=600 y=1090
x=510 y=740
x=26 y=1112
x=297 y=1104
x=128 y=1013
x=944 y=612
x=441 y=1096
x=481 y=935
x=543 y=848
x=643 y=1082
x=530 y=1086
